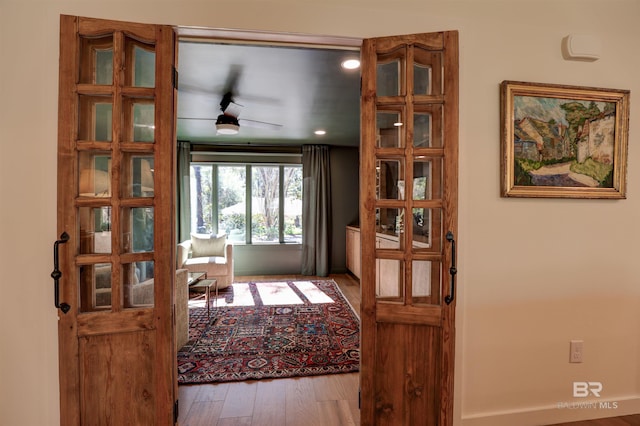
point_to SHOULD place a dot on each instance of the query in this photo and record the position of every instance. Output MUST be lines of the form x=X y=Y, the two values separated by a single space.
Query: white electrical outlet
x=576 y=348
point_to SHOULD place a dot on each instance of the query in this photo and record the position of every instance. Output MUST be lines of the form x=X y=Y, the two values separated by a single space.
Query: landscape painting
x=563 y=141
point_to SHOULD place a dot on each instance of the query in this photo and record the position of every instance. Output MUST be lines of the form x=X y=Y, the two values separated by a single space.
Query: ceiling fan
x=228 y=122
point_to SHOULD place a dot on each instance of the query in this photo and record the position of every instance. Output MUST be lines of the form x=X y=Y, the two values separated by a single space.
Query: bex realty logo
x=584 y=389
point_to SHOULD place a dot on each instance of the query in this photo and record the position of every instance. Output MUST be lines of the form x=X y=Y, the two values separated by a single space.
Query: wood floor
x=330 y=400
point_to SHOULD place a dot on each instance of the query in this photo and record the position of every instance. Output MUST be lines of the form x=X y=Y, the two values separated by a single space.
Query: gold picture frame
x=563 y=141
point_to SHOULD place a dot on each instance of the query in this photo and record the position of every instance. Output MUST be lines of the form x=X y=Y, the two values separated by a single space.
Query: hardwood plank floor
x=330 y=400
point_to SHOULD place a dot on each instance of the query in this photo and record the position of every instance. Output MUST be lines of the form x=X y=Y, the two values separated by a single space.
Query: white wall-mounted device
x=581 y=47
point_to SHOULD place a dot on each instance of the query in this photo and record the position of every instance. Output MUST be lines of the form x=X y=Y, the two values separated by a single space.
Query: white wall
x=534 y=273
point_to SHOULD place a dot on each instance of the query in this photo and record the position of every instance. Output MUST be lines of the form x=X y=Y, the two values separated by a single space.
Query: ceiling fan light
x=227 y=125
x=227 y=129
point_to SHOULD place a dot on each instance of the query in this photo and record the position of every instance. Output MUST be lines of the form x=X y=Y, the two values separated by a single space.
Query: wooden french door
x=116 y=178
x=408 y=220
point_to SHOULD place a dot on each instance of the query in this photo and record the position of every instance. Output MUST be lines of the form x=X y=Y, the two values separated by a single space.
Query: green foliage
x=228 y=197
x=598 y=171
x=528 y=165
x=575 y=113
x=292 y=227
x=232 y=221
x=521 y=172
x=260 y=231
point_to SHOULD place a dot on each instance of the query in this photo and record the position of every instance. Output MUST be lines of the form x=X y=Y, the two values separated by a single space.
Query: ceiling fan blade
x=231 y=84
x=259 y=124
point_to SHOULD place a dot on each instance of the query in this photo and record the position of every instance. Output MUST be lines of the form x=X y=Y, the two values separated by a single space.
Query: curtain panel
x=183 y=188
x=316 y=210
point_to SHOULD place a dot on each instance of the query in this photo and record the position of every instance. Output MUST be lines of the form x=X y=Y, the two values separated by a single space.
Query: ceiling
x=296 y=90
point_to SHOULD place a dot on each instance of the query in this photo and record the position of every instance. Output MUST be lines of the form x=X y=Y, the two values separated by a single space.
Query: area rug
x=270 y=330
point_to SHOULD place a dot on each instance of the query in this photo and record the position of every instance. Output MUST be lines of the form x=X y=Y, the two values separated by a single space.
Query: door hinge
x=174 y=78
x=175 y=412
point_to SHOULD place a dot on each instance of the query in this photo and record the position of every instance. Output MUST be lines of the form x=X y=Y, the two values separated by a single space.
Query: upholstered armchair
x=141 y=294
x=208 y=253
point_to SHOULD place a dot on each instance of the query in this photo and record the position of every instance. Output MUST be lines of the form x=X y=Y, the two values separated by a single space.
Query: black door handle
x=452 y=270
x=56 y=274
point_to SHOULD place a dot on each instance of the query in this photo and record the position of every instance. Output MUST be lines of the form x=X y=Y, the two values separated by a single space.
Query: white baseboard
x=561 y=412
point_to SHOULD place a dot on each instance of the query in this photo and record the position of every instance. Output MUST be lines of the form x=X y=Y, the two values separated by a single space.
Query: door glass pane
x=421 y=278
x=139 y=120
x=265 y=190
x=95 y=116
x=232 y=204
x=95 y=229
x=96 y=60
x=422 y=130
x=137 y=229
x=94 y=169
x=388 y=78
x=143 y=122
x=390 y=222
x=293 y=204
x=104 y=66
x=137 y=176
x=389 y=179
x=141 y=61
x=389 y=282
x=426 y=282
x=427 y=178
x=427 y=71
x=427 y=127
x=421 y=79
x=389 y=130
x=95 y=287
x=138 y=284
x=427 y=229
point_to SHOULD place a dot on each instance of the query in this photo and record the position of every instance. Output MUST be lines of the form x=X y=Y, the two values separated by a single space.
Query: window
x=251 y=203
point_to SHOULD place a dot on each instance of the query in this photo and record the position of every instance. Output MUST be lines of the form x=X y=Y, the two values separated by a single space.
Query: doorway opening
x=279 y=90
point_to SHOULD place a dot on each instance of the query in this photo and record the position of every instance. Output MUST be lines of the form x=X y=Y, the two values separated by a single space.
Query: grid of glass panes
x=110 y=155
x=409 y=147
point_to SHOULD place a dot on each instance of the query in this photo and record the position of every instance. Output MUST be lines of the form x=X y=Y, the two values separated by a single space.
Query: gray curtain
x=316 y=209
x=183 y=189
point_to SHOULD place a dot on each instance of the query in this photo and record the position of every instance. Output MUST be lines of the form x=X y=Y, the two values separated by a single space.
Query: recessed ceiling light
x=397 y=124
x=320 y=132
x=351 y=64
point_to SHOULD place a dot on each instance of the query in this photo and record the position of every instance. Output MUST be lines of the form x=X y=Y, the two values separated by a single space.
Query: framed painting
x=563 y=141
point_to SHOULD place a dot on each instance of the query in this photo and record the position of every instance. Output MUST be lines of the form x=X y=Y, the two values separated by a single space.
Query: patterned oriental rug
x=270 y=330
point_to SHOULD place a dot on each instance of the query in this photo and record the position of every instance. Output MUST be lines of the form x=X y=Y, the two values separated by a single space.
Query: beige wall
x=533 y=273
